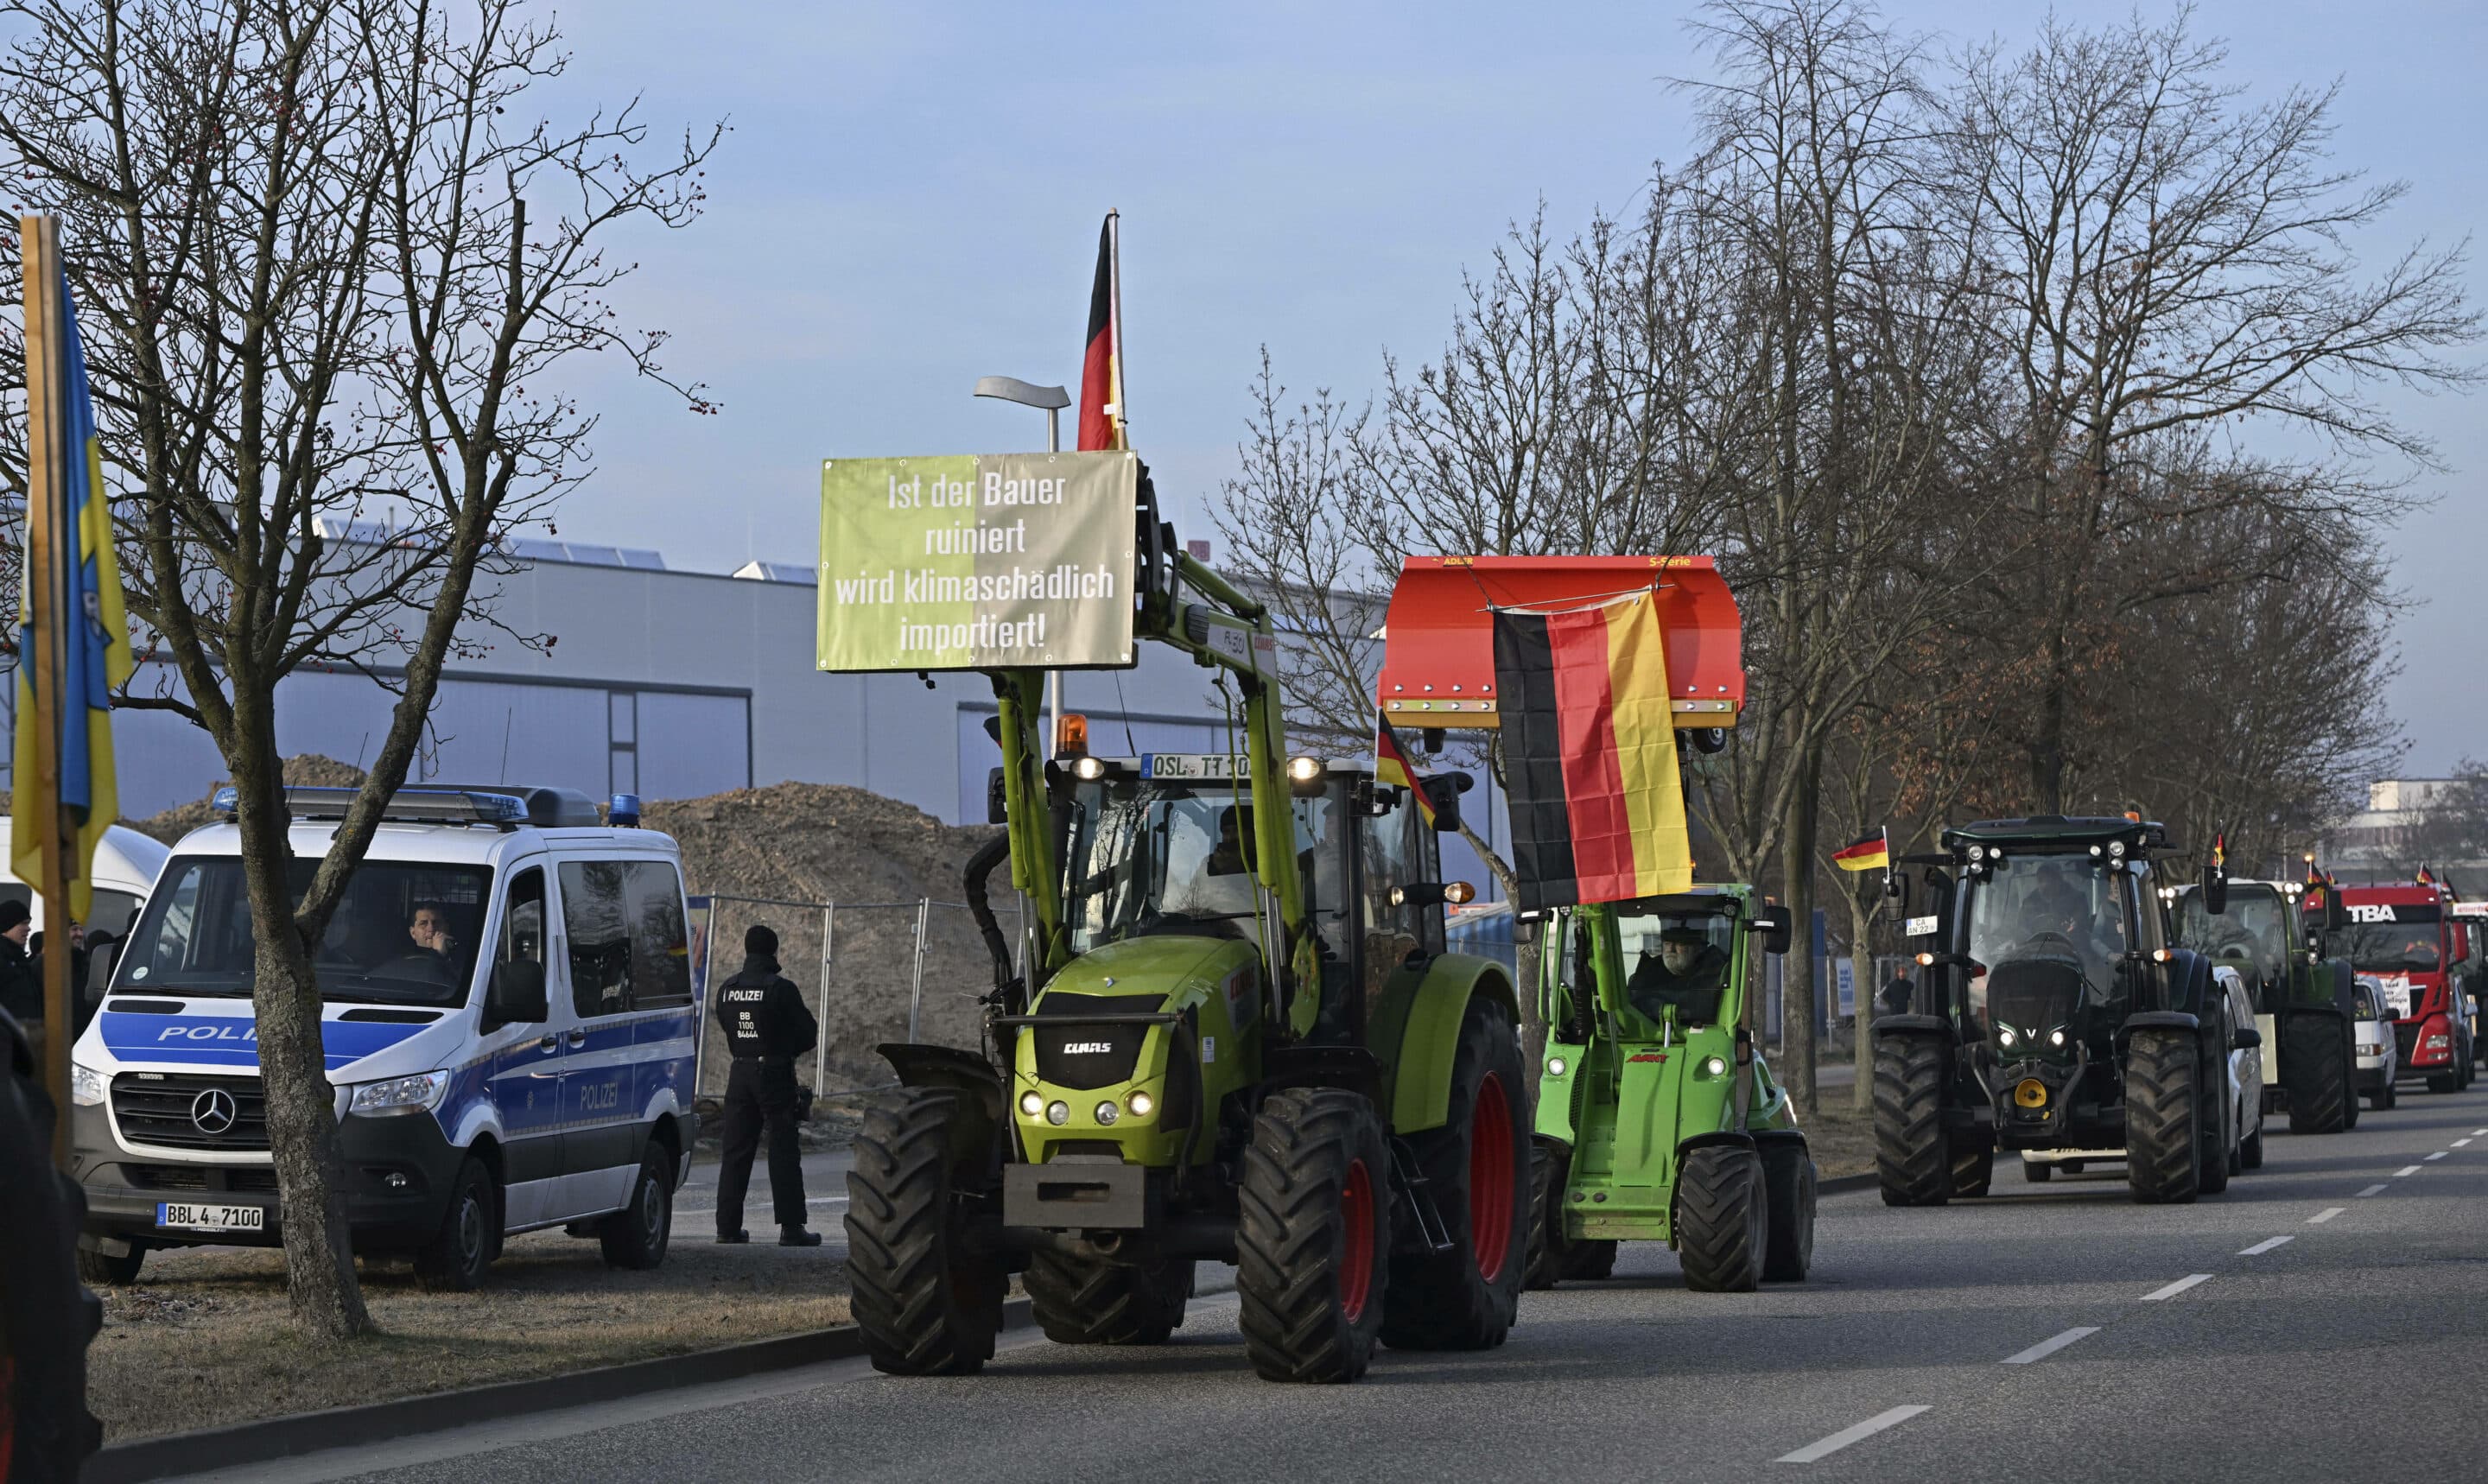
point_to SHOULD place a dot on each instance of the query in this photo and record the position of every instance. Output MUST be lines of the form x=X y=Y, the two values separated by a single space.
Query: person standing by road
x=766 y=1028
x=21 y=988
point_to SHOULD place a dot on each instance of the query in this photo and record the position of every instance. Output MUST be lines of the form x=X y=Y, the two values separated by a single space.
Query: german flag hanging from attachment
x=1872 y=853
x=1392 y=767
x=1598 y=807
x=1101 y=363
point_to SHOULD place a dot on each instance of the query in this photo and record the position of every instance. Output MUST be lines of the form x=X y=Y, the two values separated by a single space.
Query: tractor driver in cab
x=2060 y=926
x=1683 y=975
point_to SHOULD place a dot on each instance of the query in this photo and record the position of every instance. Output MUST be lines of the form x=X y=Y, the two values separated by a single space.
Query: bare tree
x=325 y=331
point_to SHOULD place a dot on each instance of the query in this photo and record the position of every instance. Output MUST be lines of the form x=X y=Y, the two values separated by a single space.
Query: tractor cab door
x=1363 y=853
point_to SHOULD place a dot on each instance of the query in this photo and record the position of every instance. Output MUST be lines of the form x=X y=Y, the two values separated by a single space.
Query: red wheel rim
x=1491 y=1179
x=1356 y=1232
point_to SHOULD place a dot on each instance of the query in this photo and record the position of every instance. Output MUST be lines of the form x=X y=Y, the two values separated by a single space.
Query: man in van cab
x=766 y=1028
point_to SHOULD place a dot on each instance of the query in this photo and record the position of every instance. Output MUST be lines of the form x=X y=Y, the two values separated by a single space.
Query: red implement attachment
x=1438 y=647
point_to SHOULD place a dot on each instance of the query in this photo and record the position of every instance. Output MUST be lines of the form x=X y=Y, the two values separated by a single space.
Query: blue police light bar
x=417 y=805
x=625 y=812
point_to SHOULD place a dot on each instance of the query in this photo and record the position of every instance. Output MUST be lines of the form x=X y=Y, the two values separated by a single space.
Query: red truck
x=2405 y=938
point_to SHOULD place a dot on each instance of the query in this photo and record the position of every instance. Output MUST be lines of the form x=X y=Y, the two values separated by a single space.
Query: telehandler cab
x=1238 y=1038
x=1657 y=1120
x=2051 y=1013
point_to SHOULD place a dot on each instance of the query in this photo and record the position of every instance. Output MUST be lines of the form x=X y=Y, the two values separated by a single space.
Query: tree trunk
x=326 y=1296
x=1797 y=880
x=1861 y=968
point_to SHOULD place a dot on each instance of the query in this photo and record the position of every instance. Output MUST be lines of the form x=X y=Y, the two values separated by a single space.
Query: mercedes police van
x=509 y=1022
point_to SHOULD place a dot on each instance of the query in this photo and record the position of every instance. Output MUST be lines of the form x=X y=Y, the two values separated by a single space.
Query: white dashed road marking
x=2176 y=1288
x=2439 y=1155
x=2266 y=1245
x=2324 y=1215
x=2373 y=1190
x=1848 y=1435
x=2460 y=1142
x=2405 y=1171
x=2046 y=1348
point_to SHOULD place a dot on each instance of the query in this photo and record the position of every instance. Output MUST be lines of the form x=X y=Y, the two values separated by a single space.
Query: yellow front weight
x=2030 y=1092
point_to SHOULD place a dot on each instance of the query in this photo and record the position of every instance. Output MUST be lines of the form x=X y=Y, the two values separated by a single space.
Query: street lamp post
x=1052 y=400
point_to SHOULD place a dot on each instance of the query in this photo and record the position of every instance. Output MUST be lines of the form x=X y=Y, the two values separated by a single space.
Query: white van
x=509 y=1024
x=125 y=864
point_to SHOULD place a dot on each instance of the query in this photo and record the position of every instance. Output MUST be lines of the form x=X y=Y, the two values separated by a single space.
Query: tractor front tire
x=1549 y=1166
x=1312 y=1239
x=2318 y=1056
x=2164 y=1151
x=1082 y=1302
x=926 y=1305
x=1913 y=1156
x=1722 y=1219
x=1788 y=1181
x=1477 y=1167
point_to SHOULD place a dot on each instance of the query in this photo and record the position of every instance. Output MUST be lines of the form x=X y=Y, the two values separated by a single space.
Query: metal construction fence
x=869 y=972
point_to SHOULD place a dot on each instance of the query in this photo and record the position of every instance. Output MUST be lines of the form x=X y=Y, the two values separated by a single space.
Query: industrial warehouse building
x=675 y=685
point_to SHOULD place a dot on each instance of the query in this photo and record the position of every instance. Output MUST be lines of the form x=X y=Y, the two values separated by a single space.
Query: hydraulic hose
x=981 y=865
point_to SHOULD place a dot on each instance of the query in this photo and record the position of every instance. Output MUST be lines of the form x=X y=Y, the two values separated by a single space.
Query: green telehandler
x=1657 y=1119
x=1236 y=1037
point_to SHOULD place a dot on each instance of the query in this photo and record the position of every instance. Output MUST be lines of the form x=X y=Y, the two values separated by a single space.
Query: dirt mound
x=310 y=770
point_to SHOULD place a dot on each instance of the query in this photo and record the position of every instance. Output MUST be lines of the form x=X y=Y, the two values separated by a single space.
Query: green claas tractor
x=2052 y=1016
x=1238 y=1038
x=2304 y=1003
x=1657 y=1120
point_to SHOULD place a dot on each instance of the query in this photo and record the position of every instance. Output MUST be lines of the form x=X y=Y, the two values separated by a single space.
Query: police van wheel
x=454 y=1260
x=114 y=1272
x=926 y=1304
x=636 y=1236
x=1477 y=1167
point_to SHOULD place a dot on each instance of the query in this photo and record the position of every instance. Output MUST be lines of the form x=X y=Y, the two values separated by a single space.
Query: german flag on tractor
x=1101 y=365
x=1871 y=853
x=1391 y=766
x=1590 y=753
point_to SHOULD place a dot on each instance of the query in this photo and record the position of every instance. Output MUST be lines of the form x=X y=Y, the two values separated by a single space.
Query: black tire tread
x=1439 y=1301
x=1913 y=1163
x=1548 y=1165
x=2318 y=1055
x=2161 y=1148
x=1286 y=1248
x=1788 y=1183
x=920 y=1312
x=1078 y=1302
x=1722 y=1219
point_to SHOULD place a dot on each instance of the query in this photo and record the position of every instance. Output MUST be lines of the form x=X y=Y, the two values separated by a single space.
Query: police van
x=508 y=1019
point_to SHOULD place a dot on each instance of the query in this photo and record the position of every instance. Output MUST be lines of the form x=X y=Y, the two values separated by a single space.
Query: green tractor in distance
x=1657 y=1120
x=2304 y=1003
x=1238 y=1038
x=2051 y=1013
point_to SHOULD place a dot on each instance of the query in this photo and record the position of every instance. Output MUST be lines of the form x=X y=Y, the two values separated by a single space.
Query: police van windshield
x=1147 y=858
x=2059 y=908
x=403 y=933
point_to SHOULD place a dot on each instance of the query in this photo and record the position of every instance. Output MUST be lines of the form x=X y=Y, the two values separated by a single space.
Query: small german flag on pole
x=1101 y=365
x=1391 y=767
x=1872 y=853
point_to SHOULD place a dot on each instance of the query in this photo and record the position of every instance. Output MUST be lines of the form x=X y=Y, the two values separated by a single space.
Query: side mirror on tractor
x=516 y=997
x=996 y=802
x=1776 y=925
x=1444 y=790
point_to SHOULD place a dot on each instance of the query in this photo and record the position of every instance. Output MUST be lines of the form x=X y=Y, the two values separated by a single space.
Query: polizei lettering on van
x=239 y=1030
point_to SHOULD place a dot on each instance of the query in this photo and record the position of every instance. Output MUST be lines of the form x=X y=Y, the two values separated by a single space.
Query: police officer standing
x=766 y=1028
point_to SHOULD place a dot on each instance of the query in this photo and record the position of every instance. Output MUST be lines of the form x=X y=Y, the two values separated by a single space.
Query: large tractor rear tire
x=1477 y=1167
x=1548 y=1168
x=2318 y=1058
x=1313 y=1240
x=926 y=1305
x=2164 y=1150
x=1722 y=1219
x=1913 y=1163
x=1788 y=1181
x=1078 y=1302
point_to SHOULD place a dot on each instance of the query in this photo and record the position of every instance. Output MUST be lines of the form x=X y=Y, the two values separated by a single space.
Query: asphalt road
x=2322 y=1320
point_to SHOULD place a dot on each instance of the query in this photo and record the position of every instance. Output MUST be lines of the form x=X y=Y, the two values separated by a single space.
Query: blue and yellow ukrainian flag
x=97 y=659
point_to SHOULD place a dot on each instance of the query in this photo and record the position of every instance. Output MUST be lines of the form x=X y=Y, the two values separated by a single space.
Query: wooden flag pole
x=49 y=547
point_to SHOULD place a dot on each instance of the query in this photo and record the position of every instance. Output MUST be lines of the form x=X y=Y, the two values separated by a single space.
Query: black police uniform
x=766 y=1028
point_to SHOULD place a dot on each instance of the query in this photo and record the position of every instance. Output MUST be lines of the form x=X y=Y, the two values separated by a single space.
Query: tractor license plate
x=1187 y=765
x=190 y=1217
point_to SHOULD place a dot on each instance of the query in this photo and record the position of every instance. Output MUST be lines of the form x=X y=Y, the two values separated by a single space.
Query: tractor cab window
x=2252 y=934
x=2067 y=909
x=1676 y=965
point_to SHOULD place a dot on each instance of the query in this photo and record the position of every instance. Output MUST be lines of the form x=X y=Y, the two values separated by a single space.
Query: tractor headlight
x=1108 y=1112
x=2055 y=1038
x=1305 y=770
x=1088 y=769
x=1142 y=1105
x=2004 y=1036
x=1713 y=1066
x=1031 y=1103
x=1556 y=1066
x=1058 y=1113
x=2116 y=848
x=1978 y=853
x=86 y=1084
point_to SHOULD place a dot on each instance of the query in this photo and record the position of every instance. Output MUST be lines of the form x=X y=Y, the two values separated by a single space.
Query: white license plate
x=190 y=1217
x=1187 y=765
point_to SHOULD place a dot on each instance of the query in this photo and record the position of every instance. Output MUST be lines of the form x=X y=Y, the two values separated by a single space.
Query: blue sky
x=910 y=194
